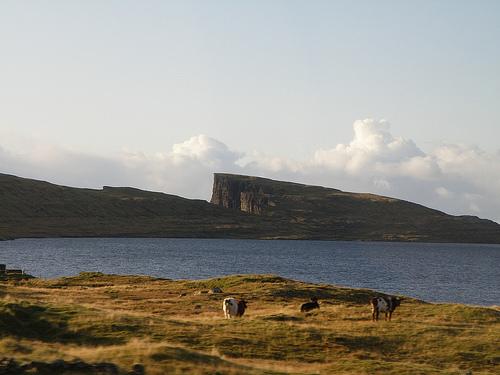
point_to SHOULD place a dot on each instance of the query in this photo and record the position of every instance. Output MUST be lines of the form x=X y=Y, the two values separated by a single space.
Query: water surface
x=461 y=273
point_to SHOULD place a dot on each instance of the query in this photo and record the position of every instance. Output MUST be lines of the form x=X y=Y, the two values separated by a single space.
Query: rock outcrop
x=313 y=212
x=243 y=195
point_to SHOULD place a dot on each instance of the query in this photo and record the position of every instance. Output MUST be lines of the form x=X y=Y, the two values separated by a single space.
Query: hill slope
x=318 y=212
x=171 y=327
x=242 y=207
x=30 y=208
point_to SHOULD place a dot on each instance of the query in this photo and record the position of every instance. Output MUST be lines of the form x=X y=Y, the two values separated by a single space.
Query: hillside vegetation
x=172 y=327
x=31 y=208
x=324 y=213
x=242 y=207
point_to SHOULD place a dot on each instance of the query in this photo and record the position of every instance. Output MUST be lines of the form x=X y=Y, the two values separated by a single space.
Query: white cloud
x=453 y=178
x=419 y=167
x=184 y=170
x=373 y=148
x=205 y=150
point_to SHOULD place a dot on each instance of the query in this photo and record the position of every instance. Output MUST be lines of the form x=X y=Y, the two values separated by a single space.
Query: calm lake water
x=462 y=273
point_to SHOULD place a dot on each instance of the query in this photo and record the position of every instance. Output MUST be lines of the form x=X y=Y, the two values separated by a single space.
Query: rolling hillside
x=30 y=208
x=323 y=213
x=241 y=207
x=94 y=323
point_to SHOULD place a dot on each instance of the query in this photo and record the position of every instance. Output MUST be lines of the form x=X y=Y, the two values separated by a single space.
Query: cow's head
x=396 y=301
x=314 y=299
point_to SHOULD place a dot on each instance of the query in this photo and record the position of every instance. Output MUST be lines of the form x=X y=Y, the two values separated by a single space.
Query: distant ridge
x=325 y=213
x=241 y=207
x=31 y=208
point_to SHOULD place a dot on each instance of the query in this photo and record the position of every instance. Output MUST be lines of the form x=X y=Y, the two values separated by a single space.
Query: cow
x=386 y=305
x=233 y=308
x=308 y=306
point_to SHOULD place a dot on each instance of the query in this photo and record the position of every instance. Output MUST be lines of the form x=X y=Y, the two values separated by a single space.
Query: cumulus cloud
x=186 y=169
x=204 y=150
x=454 y=178
x=372 y=146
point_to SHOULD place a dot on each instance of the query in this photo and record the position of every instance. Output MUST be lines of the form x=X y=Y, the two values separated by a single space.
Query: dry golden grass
x=137 y=319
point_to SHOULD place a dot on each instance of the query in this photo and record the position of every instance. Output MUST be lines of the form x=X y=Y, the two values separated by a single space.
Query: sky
x=399 y=98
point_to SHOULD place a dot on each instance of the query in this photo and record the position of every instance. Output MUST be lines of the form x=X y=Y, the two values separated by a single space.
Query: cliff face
x=303 y=211
x=243 y=195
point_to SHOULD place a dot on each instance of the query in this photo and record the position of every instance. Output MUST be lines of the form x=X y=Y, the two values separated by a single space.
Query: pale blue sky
x=275 y=87
x=283 y=77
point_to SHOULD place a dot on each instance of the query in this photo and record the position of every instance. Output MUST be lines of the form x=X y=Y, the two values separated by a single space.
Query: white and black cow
x=233 y=308
x=385 y=305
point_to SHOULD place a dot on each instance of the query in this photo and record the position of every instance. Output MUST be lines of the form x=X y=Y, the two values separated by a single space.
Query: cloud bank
x=454 y=178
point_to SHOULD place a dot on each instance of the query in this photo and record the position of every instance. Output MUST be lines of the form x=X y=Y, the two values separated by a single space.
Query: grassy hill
x=172 y=327
x=31 y=208
x=242 y=207
x=325 y=213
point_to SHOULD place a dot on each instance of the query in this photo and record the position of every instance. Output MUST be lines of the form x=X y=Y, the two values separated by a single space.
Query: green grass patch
x=167 y=327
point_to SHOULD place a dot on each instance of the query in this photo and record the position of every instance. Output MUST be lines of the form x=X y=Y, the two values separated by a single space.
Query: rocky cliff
x=317 y=212
x=242 y=194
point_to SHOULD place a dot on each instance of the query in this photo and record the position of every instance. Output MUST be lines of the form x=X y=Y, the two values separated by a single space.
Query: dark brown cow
x=308 y=306
x=242 y=305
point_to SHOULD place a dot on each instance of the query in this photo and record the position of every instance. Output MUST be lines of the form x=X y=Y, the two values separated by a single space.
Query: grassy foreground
x=135 y=319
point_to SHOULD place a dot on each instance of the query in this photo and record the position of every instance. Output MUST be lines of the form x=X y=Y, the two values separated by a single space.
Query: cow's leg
x=373 y=315
x=386 y=316
x=376 y=315
x=390 y=315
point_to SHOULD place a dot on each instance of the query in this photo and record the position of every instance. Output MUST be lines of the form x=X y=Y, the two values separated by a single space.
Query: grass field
x=135 y=319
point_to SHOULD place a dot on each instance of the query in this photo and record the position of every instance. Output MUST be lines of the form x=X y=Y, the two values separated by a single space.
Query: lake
x=464 y=273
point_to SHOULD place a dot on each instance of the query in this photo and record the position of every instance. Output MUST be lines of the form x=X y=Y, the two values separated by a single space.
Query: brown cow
x=308 y=306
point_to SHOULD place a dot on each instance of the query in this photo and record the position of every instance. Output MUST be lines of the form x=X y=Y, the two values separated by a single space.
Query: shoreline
x=250 y=239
